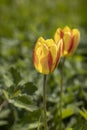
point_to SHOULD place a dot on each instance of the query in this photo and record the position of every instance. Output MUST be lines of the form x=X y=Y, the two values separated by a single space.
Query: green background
x=21 y=23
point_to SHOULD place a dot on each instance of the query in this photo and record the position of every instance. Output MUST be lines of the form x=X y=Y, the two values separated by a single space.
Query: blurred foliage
x=21 y=23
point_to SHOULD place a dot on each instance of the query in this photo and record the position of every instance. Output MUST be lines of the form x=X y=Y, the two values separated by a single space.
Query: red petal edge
x=71 y=44
x=50 y=60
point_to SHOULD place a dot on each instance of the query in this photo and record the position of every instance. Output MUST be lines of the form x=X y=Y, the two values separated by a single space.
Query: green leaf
x=34 y=125
x=22 y=102
x=67 y=112
x=16 y=93
x=4 y=113
x=83 y=113
x=7 y=80
x=15 y=75
x=22 y=105
x=24 y=99
x=84 y=127
x=6 y=94
x=29 y=88
x=3 y=122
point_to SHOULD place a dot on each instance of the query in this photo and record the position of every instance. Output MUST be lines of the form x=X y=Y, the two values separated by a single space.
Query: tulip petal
x=45 y=55
x=76 y=35
x=42 y=56
x=70 y=39
x=50 y=61
x=66 y=29
x=52 y=53
x=75 y=41
x=57 y=35
x=44 y=68
x=71 y=44
x=67 y=40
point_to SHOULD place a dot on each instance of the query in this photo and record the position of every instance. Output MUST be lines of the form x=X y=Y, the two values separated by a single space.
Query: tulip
x=70 y=39
x=46 y=55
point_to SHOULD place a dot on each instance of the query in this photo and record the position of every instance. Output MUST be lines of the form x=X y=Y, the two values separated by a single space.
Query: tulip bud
x=46 y=55
x=70 y=39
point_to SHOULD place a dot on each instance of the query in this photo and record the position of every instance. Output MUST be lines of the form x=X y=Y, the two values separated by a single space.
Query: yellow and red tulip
x=46 y=55
x=70 y=39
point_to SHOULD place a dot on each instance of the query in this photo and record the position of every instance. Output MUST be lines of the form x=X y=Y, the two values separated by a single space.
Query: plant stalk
x=61 y=91
x=44 y=102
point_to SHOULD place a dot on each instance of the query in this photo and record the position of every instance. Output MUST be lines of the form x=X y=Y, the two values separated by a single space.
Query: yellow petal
x=67 y=39
x=66 y=29
x=57 y=35
x=46 y=63
x=76 y=37
x=41 y=52
x=70 y=39
x=45 y=54
x=53 y=52
x=52 y=48
x=59 y=54
x=43 y=61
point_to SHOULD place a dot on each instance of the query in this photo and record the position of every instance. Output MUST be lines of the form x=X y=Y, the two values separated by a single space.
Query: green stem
x=44 y=102
x=61 y=91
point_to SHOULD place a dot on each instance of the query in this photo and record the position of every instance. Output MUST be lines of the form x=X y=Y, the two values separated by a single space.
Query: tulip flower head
x=46 y=55
x=70 y=39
